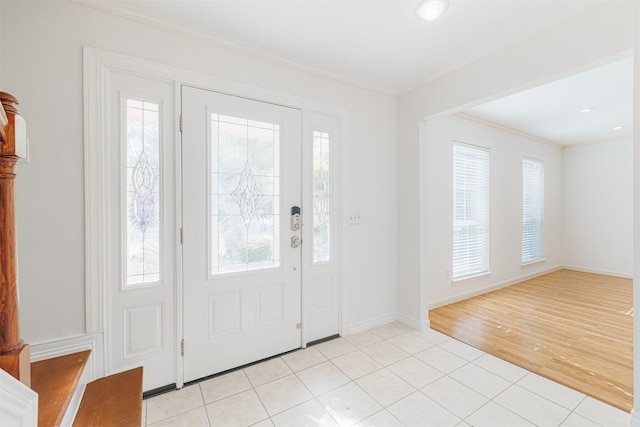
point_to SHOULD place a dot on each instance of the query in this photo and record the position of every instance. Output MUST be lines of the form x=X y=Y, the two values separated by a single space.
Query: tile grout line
x=407 y=355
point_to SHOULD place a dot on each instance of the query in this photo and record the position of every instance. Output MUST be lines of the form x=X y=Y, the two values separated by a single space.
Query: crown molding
x=535 y=29
x=226 y=43
x=508 y=129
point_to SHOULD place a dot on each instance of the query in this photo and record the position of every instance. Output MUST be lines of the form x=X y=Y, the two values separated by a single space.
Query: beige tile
x=349 y=404
x=552 y=391
x=415 y=372
x=322 y=378
x=385 y=353
x=308 y=414
x=241 y=409
x=303 y=359
x=431 y=336
x=224 y=386
x=380 y=419
x=494 y=415
x=390 y=330
x=575 y=420
x=455 y=397
x=409 y=342
x=601 y=413
x=417 y=410
x=282 y=394
x=484 y=382
x=356 y=364
x=268 y=371
x=194 y=418
x=144 y=413
x=462 y=350
x=263 y=423
x=385 y=387
x=176 y=402
x=502 y=368
x=335 y=348
x=441 y=359
x=363 y=339
x=532 y=407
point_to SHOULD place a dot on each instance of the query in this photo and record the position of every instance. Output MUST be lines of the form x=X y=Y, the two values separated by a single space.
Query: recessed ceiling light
x=618 y=127
x=431 y=9
x=587 y=109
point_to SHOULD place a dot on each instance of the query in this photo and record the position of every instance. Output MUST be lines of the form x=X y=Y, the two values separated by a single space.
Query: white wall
x=506 y=151
x=1 y=57
x=598 y=207
x=600 y=33
x=635 y=412
x=41 y=43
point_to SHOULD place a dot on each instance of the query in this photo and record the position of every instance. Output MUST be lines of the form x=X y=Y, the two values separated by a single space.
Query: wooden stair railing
x=115 y=400
x=14 y=353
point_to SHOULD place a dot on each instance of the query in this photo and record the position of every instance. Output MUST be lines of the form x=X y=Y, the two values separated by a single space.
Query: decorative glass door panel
x=321 y=197
x=245 y=194
x=143 y=221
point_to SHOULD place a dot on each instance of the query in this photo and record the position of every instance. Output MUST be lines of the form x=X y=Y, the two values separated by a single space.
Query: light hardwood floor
x=572 y=327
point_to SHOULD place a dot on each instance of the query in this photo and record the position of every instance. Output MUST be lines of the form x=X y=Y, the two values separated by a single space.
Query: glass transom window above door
x=244 y=194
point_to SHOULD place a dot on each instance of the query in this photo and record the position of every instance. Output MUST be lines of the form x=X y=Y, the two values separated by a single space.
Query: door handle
x=295 y=218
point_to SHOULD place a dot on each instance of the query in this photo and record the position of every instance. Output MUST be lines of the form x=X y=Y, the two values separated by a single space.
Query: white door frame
x=97 y=63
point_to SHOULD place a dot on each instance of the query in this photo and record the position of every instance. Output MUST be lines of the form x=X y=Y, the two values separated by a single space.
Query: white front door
x=241 y=163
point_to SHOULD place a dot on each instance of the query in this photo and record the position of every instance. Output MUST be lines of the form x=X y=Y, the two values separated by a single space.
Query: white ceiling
x=382 y=45
x=552 y=111
x=377 y=43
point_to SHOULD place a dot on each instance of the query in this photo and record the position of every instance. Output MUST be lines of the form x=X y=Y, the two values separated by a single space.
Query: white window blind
x=532 y=210
x=470 y=211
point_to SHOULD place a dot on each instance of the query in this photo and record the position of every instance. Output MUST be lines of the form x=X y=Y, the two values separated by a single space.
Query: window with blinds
x=532 y=210
x=470 y=211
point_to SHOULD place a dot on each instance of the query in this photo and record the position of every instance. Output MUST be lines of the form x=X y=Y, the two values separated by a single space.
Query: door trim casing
x=97 y=64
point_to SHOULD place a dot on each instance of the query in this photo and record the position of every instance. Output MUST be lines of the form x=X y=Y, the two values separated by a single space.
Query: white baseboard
x=386 y=319
x=598 y=271
x=372 y=323
x=95 y=342
x=459 y=297
x=635 y=418
x=413 y=323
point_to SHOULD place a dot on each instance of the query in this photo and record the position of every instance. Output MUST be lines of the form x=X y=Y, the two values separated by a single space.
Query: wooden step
x=55 y=380
x=115 y=400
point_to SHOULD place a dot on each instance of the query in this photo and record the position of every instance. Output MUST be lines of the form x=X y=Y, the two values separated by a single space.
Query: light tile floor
x=387 y=376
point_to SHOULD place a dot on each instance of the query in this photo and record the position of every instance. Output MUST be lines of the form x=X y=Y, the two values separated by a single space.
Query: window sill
x=537 y=261
x=474 y=276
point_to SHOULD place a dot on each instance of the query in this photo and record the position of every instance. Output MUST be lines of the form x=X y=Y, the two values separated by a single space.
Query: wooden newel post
x=14 y=353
